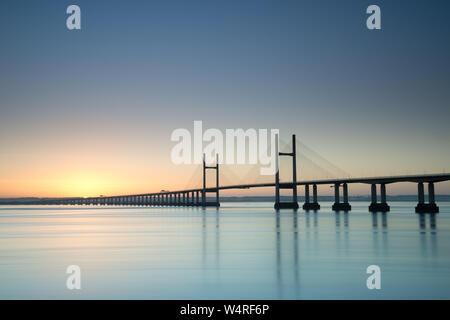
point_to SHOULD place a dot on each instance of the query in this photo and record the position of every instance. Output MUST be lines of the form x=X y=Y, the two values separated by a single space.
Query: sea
x=242 y=250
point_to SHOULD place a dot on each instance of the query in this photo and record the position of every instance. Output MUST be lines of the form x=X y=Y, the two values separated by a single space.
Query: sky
x=91 y=111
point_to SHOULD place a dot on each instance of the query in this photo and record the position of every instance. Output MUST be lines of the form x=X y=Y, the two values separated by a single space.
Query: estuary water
x=240 y=251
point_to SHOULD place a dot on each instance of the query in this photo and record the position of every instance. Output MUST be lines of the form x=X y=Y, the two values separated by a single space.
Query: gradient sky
x=91 y=112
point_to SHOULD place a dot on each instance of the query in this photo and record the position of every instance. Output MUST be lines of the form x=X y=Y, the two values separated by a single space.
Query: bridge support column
x=376 y=206
x=338 y=205
x=205 y=203
x=311 y=205
x=429 y=207
x=286 y=205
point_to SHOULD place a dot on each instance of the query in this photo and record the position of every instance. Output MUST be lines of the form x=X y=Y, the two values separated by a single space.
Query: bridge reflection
x=302 y=242
x=305 y=235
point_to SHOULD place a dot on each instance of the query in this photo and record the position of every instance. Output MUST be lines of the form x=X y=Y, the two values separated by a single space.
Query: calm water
x=241 y=251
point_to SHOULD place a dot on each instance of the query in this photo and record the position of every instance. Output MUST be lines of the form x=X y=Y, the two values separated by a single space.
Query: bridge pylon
x=205 y=203
x=293 y=204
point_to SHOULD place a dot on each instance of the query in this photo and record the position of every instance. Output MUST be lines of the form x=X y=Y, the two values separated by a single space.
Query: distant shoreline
x=362 y=198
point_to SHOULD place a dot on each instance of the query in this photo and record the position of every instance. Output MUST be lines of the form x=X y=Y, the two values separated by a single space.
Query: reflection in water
x=422 y=222
x=375 y=220
x=342 y=230
x=295 y=255
x=338 y=218
x=278 y=253
x=384 y=220
x=428 y=250
x=295 y=246
x=217 y=241
x=337 y=214
x=232 y=252
x=376 y=232
x=204 y=240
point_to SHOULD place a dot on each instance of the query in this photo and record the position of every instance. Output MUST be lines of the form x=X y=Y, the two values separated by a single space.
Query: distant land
x=364 y=198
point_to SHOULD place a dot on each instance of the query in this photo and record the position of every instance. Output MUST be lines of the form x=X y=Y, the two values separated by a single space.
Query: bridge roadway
x=197 y=196
x=367 y=180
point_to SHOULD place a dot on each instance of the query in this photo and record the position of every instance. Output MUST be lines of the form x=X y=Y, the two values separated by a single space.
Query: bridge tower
x=205 y=203
x=293 y=185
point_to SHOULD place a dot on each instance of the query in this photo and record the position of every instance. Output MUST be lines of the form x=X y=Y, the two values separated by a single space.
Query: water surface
x=240 y=251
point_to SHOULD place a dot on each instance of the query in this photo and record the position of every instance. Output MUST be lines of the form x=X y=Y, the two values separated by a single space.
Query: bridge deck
x=366 y=180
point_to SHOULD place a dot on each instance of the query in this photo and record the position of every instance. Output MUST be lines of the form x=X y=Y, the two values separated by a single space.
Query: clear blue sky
x=101 y=103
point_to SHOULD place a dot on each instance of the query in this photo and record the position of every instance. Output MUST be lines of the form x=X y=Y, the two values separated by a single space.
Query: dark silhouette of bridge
x=198 y=196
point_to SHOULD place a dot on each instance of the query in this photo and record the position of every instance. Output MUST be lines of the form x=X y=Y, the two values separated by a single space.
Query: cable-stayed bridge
x=198 y=196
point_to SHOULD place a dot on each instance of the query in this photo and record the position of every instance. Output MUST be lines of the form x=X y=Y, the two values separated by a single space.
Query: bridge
x=198 y=196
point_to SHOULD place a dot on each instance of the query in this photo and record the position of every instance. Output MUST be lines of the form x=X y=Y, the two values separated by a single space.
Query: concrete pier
x=429 y=207
x=376 y=206
x=311 y=205
x=338 y=205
